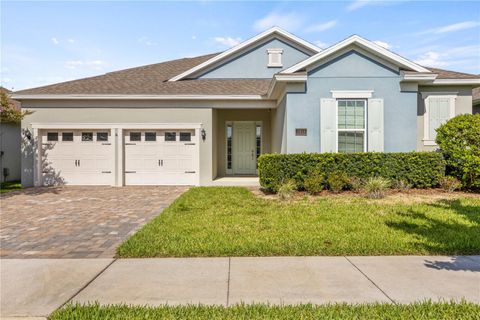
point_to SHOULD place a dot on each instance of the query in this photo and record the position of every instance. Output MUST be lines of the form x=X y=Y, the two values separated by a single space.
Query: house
x=10 y=143
x=193 y=120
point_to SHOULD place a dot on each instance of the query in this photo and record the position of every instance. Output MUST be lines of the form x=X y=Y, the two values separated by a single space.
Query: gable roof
x=364 y=44
x=309 y=47
x=152 y=80
x=447 y=74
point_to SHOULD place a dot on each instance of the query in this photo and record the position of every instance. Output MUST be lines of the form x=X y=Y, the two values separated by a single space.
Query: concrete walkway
x=37 y=287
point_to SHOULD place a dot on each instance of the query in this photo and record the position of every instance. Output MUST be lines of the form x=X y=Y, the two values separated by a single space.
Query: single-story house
x=10 y=143
x=191 y=121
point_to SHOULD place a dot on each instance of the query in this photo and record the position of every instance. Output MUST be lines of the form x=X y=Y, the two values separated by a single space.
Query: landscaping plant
x=286 y=189
x=375 y=187
x=337 y=181
x=355 y=184
x=450 y=184
x=314 y=183
x=402 y=185
x=459 y=141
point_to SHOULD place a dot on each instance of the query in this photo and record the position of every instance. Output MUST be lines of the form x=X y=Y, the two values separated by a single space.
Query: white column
x=119 y=163
x=37 y=158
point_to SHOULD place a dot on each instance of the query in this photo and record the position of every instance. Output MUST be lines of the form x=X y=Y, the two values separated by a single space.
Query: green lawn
x=424 y=310
x=10 y=186
x=231 y=221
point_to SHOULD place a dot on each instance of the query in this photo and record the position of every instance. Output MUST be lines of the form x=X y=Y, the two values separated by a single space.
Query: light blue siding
x=253 y=63
x=353 y=71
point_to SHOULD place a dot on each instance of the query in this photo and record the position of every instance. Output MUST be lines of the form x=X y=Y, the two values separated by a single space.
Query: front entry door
x=244 y=156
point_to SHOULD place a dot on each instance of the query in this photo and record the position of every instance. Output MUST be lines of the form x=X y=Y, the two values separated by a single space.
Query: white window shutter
x=328 y=123
x=375 y=125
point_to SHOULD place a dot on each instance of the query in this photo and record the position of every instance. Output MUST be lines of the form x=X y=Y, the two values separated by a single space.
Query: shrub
x=450 y=184
x=355 y=184
x=459 y=140
x=337 y=181
x=285 y=191
x=401 y=185
x=314 y=183
x=419 y=169
x=375 y=187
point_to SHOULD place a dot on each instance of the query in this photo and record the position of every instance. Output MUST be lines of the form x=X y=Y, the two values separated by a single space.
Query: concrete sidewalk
x=38 y=287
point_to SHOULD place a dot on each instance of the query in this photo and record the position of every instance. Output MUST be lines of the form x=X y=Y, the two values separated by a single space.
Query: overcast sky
x=49 y=42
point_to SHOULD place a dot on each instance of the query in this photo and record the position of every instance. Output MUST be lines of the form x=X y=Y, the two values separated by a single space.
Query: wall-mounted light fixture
x=204 y=134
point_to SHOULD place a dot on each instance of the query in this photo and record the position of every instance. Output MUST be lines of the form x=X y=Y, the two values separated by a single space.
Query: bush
x=459 y=140
x=375 y=187
x=401 y=185
x=314 y=183
x=419 y=169
x=450 y=184
x=355 y=184
x=285 y=191
x=337 y=181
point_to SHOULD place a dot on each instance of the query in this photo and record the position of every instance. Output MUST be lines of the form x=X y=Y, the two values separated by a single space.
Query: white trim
x=457 y=81
x=352 y=94
x=427 y=140
x=281 y=78
x=363 y=43
x=419 y=76
x=70 y=125
x=275 y=30
x=133 y=97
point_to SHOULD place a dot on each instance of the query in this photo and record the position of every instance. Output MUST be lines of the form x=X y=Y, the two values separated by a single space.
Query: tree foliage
x=8 y=112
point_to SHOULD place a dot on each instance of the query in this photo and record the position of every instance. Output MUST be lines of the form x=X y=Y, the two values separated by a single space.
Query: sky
x=50 y=42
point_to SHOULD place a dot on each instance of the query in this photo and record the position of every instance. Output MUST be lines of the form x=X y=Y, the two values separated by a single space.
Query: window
x=52 y=136
x=229 y=146
x=87 y=136
x=150 y=136
x=185 y=136
x=102 y=136
x=135 y=136
x=351 y=125
x=275 y=57
x=258 y=141
x=67 y=136
x=438 y=110
x=170 y=136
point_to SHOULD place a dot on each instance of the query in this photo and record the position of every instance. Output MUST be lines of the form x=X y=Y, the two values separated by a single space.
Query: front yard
x=232 y=221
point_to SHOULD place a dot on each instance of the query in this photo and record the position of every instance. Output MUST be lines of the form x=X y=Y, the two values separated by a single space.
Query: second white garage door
x=160 y=157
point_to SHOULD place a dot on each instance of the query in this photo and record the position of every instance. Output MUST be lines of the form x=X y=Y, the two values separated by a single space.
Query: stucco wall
x=463 y=104
x=240 y=115
x=10 y=149
x=352 y=71
x=278 y=125
x=253 y=63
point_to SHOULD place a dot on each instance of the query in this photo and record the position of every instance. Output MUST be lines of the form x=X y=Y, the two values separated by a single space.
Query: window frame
x=134 y=132
x=154 y=134
x=364 y=130
x=427 y=140
x=53 y=132
x=185 y=132
x=96 y=136
x=90 y=132
x=67 y=141
x=165 y=136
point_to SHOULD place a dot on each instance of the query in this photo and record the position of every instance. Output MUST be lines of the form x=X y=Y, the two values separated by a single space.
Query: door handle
x=79 y=163
x=76 y=163
x=159 y=162
x=162 y=162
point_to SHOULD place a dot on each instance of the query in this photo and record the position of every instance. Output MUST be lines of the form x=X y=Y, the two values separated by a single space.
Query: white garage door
x=77 y=157
x=160 y=157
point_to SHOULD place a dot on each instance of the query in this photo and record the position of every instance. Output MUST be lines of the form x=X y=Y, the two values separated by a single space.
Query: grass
x=232 y=221
x=10 y=186
x=424 y=310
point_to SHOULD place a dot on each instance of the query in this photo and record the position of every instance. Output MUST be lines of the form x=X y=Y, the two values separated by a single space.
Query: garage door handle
x=130 y=144
x=189 y=144
x=106 y=171
x=189 y=171
x=130 y=171
x=106 y=143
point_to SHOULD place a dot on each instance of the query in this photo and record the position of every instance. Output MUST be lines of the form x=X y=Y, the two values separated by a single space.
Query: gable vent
x=275 y=57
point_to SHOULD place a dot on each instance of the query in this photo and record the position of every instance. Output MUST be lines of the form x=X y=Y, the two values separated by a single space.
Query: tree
x=9 y=112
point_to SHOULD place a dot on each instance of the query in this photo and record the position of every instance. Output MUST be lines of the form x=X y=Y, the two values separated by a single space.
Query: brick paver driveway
x=76 y=222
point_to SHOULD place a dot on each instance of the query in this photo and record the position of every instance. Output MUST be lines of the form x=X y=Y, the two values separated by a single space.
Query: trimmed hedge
x=419 y=169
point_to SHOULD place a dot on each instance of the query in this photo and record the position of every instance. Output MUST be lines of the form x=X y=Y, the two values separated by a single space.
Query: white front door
x=244 y=147
x=160 y=157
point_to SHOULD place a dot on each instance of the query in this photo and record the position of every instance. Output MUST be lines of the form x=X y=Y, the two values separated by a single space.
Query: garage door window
x=170 y=136
x=52 y=136
x=150 y=136
x=185 y=136
x=135 y=136
x=102 y=136
x=67 y=136
x=87 y=136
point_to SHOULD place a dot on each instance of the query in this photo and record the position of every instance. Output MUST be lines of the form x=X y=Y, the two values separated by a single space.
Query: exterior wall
x=10 y=151
x=253 y=63
x=463 y=104
x=279 y=127
x=240 y=115
x=353 y=71
x=203 y=112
